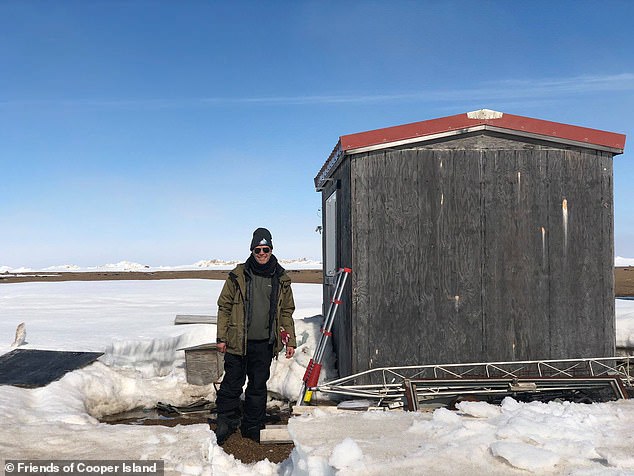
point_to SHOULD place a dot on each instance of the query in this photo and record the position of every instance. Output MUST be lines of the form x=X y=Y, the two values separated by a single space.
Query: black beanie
x=261 y=236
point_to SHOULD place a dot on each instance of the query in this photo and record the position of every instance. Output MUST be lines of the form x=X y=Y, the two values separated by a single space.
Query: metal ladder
x=311 y=377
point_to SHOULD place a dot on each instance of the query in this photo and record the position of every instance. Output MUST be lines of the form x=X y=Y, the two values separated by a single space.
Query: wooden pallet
x=194 y=319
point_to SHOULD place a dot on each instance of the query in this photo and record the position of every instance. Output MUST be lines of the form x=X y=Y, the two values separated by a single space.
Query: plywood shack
x=477 y=237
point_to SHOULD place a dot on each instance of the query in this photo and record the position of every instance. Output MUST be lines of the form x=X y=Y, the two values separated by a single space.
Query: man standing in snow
x=255 y=321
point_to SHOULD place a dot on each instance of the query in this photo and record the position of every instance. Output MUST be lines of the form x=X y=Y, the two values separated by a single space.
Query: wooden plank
x=303 y=409
x=499 y=214
x=299 y=410
x=194 y=319
x=443 y=266
x=410 y=396
x=347 y=260
x=359 y=234
x=428 y=327
x=270 y=436
x=373 y=248
x=557 y=245
x=465 y=225
x=362 y=253
x=607 y=252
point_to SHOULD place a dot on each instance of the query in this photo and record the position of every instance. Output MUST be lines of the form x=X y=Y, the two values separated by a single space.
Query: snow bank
x=215 y=263
x=132 y=322
x=625 y=323
x=63 y=267
x=619 y=261
x=288 y=263
x=516 y=438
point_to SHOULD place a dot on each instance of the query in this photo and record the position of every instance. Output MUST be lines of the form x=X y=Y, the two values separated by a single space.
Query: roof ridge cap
x=485 y=114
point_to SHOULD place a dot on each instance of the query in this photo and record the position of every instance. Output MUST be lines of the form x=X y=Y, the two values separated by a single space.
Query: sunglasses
x=264 y=250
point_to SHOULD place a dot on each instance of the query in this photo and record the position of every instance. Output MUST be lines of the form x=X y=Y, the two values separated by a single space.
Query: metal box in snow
x=203 y=364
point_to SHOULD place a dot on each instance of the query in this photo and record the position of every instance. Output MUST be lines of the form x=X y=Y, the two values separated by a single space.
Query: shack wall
x=477 y=249
x=342 y=326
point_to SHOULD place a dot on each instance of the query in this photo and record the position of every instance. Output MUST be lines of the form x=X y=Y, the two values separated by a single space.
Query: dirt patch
x=624 y=281
x=243 y=449
x=623 y=276
x=248 y=451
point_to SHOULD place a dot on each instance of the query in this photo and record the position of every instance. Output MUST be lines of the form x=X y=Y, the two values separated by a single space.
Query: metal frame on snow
x=487 y=378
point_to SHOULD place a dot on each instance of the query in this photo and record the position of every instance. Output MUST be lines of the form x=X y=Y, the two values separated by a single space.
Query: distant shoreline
x=624 y=281
x=623 y=276
x=305 y=276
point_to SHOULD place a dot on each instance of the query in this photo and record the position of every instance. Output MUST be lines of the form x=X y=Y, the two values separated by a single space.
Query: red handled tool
x=311 y=377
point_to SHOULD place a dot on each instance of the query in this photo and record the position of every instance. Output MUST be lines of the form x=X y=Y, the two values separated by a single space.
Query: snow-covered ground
x=132 y=322
x=620 y=261
x=625 y=323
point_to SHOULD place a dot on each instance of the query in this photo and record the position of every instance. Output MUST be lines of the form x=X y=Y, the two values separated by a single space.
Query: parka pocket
x=232 y=335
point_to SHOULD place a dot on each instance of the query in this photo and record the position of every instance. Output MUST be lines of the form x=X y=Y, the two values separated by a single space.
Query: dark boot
x=225 y=427
x=252 y=432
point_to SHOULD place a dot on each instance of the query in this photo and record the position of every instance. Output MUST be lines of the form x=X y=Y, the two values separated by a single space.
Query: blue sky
x=165 y=132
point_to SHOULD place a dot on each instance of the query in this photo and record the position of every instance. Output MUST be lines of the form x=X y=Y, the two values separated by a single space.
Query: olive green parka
x=232 y=315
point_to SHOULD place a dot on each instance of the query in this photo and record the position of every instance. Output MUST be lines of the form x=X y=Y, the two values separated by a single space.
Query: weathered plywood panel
x=379 y=286
x=607 y=252
x=531 y=291
x=428 y=327
x=343 y=321
x=499 y=209
x=394 y=264
x=423 y=301
x=381 y=314
x=360 y=232
x=361 y=276
x=458 y=310
x=515 y=289
x=576 y=261
x=342 y=330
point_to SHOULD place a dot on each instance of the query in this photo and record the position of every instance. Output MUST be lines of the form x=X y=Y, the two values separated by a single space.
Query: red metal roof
x=468 y=122
x=509 y=122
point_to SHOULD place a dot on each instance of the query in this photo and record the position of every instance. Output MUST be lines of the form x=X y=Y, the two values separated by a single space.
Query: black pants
x=256 y=365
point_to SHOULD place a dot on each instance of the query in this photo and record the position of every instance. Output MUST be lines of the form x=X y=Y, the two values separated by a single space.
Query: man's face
x=262 y=254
